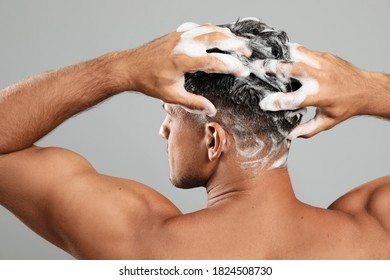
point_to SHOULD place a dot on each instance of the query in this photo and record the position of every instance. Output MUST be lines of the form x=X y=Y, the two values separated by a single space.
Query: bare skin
x=58 y=194
x=345 y=91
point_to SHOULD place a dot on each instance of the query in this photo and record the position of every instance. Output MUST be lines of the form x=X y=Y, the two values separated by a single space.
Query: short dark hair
x=238 y=98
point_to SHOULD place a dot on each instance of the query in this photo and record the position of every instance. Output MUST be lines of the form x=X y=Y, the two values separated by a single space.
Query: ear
x=215 y=140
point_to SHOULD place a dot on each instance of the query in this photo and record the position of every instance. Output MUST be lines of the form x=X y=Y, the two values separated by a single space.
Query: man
x=252 y=211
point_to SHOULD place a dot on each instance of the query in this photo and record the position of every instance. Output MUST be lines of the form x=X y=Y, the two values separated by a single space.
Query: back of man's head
x=259 y=136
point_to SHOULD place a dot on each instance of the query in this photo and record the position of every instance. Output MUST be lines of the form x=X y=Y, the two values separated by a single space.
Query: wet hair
x=237 y=98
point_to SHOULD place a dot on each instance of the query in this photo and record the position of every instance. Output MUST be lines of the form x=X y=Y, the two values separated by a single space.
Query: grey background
x=120 y=137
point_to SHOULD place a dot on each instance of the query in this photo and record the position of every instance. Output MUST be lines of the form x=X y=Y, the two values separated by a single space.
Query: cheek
x=185 y=140
x=184 y=145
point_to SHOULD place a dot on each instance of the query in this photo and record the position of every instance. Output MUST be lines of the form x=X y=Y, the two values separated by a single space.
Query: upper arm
x=28 y=179
x=59 y=195
x=372 y=198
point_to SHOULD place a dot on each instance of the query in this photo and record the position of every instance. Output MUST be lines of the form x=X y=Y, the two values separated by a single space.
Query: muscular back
x=92 y=216
x=296 y=231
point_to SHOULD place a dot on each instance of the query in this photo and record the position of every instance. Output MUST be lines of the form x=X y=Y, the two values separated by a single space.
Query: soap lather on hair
x=237 y=99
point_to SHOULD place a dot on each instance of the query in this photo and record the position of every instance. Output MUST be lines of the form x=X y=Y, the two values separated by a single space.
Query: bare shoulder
x=59 y=194
x=371 y=199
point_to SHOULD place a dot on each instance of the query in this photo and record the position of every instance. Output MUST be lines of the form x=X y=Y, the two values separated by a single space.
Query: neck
x=234 y=185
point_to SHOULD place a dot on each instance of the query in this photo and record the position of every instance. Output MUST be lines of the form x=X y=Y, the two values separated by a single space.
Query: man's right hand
x=158 y=67
x=338 y=89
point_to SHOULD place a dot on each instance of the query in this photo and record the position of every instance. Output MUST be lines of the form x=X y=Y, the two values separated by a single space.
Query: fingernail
x=292 y=135
x=211 y=111
x=268 y=104
x=247 y=51
x=243 y=72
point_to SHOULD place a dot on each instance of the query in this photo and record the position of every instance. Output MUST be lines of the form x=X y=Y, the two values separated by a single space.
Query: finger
x=217 y=37
x=301 y=54
x=197 y=104
x=187 y=26
x=236 y=45
x=225 y=41
x=215 y=63
x=199 y=31
x=304 y=50
x=189 y=101
x=249 y=18
x=278 y=101
x=312 y=127
x=303 y=129
x=295 y=70
x=301 y=112
x=228 y=64
x=274 y=66
x=198 y=47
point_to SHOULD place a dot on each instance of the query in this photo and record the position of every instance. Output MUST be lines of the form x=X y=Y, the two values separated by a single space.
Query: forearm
x=32 y=108
x=377 y=95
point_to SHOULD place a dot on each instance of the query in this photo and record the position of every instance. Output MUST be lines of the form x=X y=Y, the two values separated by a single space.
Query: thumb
x=191 y=102
x=312 y=127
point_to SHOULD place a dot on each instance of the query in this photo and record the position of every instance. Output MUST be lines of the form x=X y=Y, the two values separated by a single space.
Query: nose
x=164 y=130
